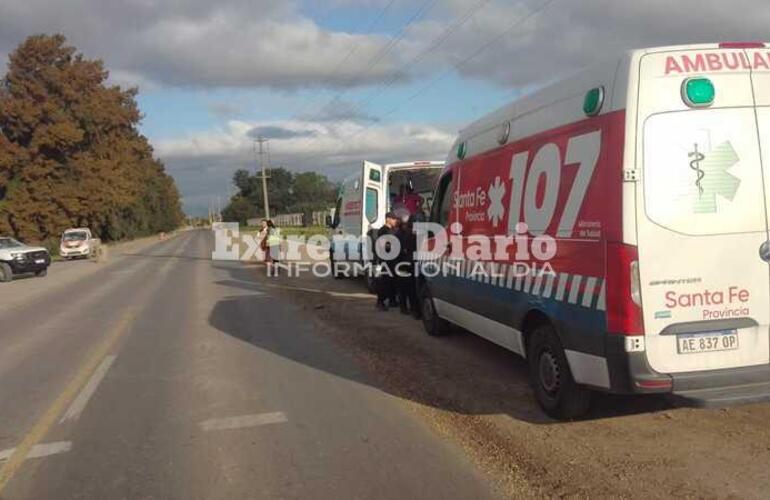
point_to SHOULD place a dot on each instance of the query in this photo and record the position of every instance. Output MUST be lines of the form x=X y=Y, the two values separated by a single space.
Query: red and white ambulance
x=638 y=196
x=362 y=202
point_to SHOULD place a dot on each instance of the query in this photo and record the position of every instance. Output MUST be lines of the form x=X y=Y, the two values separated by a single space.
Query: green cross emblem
x=712 y=177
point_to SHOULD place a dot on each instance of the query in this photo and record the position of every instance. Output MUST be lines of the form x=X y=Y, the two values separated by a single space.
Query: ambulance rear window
x=371 y=205
x=702 y=172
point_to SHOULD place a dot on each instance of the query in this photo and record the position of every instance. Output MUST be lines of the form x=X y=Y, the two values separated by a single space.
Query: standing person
x=385 y=280
x=272 y=247
x=262 y=238
x=405 y=269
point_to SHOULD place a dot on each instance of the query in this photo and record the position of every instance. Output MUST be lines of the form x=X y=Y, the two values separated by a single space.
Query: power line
x=350 y=53
x=433 y=45
x=381 y=54
x=448 y=71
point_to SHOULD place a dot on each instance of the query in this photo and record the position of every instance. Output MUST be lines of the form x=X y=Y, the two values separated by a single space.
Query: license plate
x=692 y=343
x=39 y=261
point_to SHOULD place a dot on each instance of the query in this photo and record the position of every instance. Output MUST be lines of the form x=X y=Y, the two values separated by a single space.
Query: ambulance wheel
x=434 y=325
x=6 y=273
x=555 y=389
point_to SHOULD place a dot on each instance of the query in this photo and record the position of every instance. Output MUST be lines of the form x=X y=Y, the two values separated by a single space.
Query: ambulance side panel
x=561 y=173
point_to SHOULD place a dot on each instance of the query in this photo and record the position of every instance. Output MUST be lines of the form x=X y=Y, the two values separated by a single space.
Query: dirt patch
x=478 y=394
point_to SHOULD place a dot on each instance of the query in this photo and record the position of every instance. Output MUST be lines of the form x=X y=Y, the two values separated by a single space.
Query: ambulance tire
x=555 y=389
x=435 y=326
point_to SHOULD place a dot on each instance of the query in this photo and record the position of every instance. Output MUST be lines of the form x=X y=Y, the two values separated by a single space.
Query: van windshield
x=413 y=189
x=75 y=236
x=9 y=243
x=703 y=173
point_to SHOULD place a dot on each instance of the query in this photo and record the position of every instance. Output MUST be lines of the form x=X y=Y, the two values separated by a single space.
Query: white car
x=18 y=258
x=78 y=243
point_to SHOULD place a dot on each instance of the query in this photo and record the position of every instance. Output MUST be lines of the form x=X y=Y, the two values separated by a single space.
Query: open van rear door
x=373 y=196
x=701 y=212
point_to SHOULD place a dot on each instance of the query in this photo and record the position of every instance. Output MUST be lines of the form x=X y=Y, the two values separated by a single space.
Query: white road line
x=41 y=450
x=217 y=424
x=80 y=402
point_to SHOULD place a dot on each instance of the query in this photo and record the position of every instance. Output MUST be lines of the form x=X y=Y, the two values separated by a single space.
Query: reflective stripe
x=561 y=287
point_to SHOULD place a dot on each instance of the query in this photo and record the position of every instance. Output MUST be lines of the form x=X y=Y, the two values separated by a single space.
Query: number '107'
x=582 y=151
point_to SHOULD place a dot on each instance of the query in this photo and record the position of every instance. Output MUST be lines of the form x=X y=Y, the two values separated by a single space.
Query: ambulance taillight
x=623 y=290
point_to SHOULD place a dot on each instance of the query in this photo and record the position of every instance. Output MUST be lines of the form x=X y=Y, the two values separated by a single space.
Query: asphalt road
x=162 y=374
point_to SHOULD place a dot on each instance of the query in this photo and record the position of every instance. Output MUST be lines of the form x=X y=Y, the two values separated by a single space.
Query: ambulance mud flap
x=630 y=372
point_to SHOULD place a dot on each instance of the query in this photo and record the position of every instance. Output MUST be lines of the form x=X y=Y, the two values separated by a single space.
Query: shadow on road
x=461 y=373
x=162 y=256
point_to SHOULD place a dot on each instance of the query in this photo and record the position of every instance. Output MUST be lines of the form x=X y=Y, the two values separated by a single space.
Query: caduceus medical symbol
x=713 y=176
x=697 y=157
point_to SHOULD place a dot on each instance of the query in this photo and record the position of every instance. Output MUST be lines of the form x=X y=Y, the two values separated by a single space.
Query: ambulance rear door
x=374 y=195
x=701 y=212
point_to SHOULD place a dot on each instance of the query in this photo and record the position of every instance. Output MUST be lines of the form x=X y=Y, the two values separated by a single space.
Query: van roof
x=415 y=164
x=570 y=87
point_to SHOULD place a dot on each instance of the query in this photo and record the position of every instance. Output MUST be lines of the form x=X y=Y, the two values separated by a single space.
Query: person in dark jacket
x=406 y=281
x=386 y=289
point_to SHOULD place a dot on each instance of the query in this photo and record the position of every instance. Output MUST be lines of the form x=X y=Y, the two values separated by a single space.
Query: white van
x=367 y=195
x=78 y=243
x=649 y=177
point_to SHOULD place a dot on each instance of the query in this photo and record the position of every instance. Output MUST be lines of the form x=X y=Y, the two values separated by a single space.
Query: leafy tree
x=244 y=182
x=70 y=150
x=313 y=191
x=239 y=210
x=288 y=193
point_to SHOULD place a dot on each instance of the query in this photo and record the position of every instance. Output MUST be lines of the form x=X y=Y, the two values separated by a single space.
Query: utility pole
x=262 y=141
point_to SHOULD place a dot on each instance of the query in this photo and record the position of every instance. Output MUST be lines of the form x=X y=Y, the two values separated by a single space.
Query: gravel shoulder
x=477 y=394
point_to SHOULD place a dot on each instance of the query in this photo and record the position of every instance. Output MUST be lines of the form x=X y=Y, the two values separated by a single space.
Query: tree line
x=288 y=192
x=71 y=154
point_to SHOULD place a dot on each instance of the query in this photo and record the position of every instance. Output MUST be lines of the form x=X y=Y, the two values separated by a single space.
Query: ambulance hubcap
x=549 y=372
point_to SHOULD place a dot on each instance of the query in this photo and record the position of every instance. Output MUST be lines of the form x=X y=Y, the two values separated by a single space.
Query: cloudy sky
x=332 y=82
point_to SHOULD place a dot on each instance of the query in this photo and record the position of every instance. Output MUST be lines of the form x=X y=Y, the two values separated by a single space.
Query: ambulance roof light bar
x=742 y=45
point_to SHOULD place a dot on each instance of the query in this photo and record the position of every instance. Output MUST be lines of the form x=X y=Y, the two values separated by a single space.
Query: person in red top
x=409 y=199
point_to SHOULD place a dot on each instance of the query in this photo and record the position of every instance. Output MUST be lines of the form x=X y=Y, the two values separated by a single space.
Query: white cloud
x=569 y=35
x=272 y=44
x=204 y=163
x=324 y=146
x=258 y=43
x=264 y=43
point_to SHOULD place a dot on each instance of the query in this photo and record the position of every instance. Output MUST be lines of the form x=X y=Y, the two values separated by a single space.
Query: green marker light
x=594 y=101
x=698 y=92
